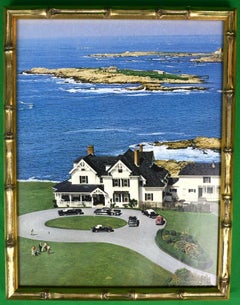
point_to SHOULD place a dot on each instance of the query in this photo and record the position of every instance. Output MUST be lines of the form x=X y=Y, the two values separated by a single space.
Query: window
x=191 y=191
x=121 y=182
x=116 y=198
x=210 y=190
x=121 y=197
x=86 y=198
x=206 y=179
x=149 y=197
x=116 y=182
x=83 y=179
x=75 y=197
x=125 y=182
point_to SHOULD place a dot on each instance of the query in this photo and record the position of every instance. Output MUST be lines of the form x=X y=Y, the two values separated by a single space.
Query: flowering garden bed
x=183 y=247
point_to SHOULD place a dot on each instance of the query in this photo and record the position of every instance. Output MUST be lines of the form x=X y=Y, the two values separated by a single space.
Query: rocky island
x=149 y=53
x=145 y=80
x=200 y=143
x=216 y=56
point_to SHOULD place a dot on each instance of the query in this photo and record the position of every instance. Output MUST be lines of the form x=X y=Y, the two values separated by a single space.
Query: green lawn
x=85 y=222
x=87 y=264
x=97 y=263
x=203 y=227
x=34 y=196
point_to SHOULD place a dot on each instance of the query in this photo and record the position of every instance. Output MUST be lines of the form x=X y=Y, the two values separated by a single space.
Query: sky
x=72 y=28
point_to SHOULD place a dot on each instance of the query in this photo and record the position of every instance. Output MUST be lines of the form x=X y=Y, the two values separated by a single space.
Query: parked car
x=133 y=221
x=101 y=228
x=150 y=213
x=70 y=211
x=160 y=220
x=103 y=211
x=116 y=212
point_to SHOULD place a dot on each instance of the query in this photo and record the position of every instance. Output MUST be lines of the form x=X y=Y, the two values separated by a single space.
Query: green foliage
x=85 y=222
x=183 y=247
x=151 y=74
x=184 y=277
x=132 y=203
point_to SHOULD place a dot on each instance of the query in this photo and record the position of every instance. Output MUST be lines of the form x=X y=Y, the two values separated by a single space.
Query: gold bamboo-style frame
x=222 y=289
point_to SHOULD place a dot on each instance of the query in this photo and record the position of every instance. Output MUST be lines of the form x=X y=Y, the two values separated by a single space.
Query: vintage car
x=70 y=211
x=160 y=220
x=103 y=211
x=116 y=212
x=133 y=221
x=150 y=213
x=101 y=228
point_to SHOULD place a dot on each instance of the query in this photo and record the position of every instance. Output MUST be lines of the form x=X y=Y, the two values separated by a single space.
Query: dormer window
x=120 y=170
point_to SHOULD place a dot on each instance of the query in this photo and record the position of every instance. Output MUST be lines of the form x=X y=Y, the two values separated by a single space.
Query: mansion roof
x=153 y=174
x=201 y=169
x=67 y=186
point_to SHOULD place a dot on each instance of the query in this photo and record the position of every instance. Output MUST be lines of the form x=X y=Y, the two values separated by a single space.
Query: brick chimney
x=90 y=150
x=136 y=157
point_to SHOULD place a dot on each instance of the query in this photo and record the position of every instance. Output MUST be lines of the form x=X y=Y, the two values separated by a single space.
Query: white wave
x=97 y=130
x=33 y=179
x=138 y=94
x=107 y=90
x=182 y=154
x=26 y=105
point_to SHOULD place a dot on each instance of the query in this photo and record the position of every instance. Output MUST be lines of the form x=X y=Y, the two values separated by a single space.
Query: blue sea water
x=58 y=118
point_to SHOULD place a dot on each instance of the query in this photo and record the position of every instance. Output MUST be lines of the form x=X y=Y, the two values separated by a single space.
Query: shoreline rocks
x=198 y=142
x=107 y=76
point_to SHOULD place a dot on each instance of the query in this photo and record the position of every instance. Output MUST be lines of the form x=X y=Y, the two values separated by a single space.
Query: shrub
x=183 y=247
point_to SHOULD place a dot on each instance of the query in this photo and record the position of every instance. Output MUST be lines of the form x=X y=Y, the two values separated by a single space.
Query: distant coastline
x=149 y=53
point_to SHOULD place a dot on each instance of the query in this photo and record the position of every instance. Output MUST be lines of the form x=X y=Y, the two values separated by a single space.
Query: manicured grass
x=85 y=222
x=202 y=226
x=87 y=264
x=97 y=263
x=34 y=196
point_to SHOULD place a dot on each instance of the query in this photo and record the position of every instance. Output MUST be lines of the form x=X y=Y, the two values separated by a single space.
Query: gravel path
x=139 y=239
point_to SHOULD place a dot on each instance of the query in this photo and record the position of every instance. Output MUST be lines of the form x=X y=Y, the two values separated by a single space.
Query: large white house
x=113 y=180
x=198 y=182
x=133 y=176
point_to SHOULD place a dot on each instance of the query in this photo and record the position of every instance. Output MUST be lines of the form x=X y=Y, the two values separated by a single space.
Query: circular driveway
x=140 y=239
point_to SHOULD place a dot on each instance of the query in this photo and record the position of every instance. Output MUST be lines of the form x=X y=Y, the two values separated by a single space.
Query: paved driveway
x=139 y=239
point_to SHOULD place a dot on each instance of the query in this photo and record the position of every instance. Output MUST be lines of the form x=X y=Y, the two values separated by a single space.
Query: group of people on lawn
x=41 y=248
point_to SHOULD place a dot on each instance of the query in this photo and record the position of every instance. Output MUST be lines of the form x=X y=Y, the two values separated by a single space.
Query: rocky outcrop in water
x=147 y=80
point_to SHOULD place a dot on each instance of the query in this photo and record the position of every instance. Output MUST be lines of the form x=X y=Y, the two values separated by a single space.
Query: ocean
x=58 y=118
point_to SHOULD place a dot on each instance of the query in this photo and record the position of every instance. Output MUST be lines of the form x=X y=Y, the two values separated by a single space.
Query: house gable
x=119 y=169
x=83 y=173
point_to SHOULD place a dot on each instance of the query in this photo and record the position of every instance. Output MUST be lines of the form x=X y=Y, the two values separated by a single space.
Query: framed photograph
x=118 y=153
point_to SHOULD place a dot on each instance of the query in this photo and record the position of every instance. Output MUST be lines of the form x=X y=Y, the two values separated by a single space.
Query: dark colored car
x=150 y=213
x=133 y=221
x=70 y=212
x=116 y=212
x=101 y=228
x=103 y=211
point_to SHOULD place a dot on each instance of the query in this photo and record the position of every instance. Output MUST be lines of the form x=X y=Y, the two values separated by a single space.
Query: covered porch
x=86 y=195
